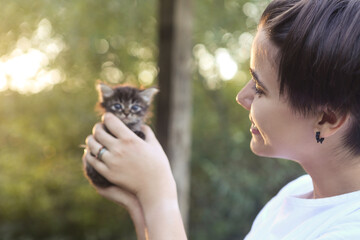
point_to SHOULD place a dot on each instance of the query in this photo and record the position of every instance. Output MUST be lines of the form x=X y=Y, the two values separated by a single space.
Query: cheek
x=273 y=121
x=264 y=115
x=283 y=134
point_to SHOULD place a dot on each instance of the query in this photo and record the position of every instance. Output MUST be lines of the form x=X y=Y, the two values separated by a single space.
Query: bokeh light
x=27 y=68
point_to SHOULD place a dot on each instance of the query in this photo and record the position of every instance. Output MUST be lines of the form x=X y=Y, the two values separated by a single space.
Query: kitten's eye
x=117 y=106
x=135 y=108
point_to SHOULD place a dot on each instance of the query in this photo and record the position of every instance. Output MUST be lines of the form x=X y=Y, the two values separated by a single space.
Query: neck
x=333 y=174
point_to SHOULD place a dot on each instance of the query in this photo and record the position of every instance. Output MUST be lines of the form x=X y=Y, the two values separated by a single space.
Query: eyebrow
x=256 y=79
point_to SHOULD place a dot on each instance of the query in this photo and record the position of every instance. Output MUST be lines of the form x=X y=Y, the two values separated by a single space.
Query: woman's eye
x=135 y=108
x=258 y=91
x=117 y=106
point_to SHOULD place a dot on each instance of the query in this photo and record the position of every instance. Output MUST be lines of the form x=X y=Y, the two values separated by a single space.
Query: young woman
x=304 y=105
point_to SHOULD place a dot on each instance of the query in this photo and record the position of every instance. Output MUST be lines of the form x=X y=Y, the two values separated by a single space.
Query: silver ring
x=101 y=151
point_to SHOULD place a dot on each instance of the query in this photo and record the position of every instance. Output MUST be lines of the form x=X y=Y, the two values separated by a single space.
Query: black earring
x=318 y=139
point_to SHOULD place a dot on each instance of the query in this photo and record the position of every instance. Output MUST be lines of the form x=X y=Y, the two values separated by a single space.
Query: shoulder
x=348 y=231
x=347 y=226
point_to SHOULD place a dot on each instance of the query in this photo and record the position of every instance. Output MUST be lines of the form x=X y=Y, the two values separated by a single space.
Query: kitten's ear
x=104 y=91
x=148 y=94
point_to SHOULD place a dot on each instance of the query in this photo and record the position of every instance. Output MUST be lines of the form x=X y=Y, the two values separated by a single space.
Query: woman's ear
x=329 y=122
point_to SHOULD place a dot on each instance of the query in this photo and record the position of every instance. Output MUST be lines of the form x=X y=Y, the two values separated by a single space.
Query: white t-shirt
x=290 y=215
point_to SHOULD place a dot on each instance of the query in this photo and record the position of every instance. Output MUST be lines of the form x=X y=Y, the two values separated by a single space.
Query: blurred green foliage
x=43 y=194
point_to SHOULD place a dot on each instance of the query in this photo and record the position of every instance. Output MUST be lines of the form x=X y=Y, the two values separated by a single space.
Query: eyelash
x=257 y=90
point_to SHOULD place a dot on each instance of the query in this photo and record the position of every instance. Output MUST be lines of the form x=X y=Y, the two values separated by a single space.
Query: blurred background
x=51 y=55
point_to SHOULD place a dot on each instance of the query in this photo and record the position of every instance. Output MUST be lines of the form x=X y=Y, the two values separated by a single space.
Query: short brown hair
x=319 y=56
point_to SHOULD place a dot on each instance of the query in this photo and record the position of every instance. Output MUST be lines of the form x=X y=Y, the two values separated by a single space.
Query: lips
x=253 y=128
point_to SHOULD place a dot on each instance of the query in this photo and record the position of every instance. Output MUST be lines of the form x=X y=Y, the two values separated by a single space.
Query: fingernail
x=105 y=115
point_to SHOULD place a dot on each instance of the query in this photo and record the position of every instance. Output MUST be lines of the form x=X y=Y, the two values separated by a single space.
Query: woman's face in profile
x=277 y=131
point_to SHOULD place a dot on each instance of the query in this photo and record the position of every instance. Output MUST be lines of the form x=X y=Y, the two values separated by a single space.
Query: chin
x=126 y=121
x=129 y=121
x=260 y=149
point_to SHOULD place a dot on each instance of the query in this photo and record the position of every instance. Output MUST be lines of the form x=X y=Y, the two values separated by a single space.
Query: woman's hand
x=126 y=199
x=142 y=169
x=130 y=162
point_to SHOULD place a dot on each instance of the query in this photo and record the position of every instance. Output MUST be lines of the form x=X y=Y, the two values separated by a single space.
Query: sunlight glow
x=26 y=69
x=245 y=41
x=251 y=10
x=148 y=72
x=215 y=68
x=207 y=67
x=102 y=46
x=111 y=73
x=225 y=63
x=146 y=77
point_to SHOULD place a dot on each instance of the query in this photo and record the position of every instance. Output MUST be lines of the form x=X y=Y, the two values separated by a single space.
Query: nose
x=246 y=96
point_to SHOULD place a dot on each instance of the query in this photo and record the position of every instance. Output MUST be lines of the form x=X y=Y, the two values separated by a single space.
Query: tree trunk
x=174 y=109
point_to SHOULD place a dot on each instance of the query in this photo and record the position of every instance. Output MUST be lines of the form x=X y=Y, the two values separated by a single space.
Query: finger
x=103 y=137
x=99 y=166
x=86 y=151
x=118 y=195
x=150 y=136
x=95 y=147
x=117 y=127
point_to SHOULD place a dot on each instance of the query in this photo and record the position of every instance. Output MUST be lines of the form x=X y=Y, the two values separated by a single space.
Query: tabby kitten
x=130 y=105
